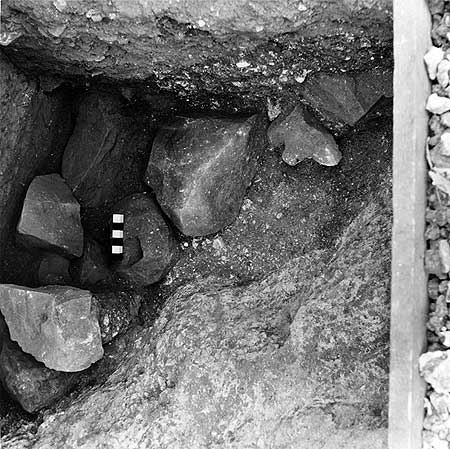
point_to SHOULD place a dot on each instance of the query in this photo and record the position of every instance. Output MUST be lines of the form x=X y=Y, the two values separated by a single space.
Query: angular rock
x=439 y=316
x=431 y=440
x=343 y=99
x=443 y=73
x=146 y=229
x=444 y=143
x=303 y=140
x=445 y=119
x=29 y=382
x=433 y=263
x=435 y=369
x=200 y=169
x=444 y=254
x=55 y=324
x=432 y=59
x=54 y=270
x=92 y=267
x=50 y=217
x=103 y=160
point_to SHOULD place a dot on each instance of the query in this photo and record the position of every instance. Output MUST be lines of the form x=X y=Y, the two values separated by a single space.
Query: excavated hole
x=287 y=212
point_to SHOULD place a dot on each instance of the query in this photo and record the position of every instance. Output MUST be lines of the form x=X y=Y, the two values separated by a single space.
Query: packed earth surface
x=248 y=147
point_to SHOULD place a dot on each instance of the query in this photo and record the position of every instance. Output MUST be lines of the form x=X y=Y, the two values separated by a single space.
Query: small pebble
x=433 y=262
x=444 y=253
x=244 y=64
x=433 y=288
x=432 y=232
x=442 y=72
x=432 y=59
x=436 y=125
x=443 y=287
x=437 y=105
x=445 y=143
x=445 y=119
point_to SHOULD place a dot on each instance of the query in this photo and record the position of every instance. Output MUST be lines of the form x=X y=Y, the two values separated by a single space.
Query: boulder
x=276 y=362
x=50 y=217
x=343 y=99
x=54 y=270
x=103 y=160
x=303 y=140
x=200 y=169
x=92 y=267
x=150 y=247
x=29 y=382
x=209 y=51
x=55 y=324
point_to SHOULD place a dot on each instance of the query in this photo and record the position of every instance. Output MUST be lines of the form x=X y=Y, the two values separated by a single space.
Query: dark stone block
x=29 y=382
x=50 y=217
x=200 y=169
x=145 y=232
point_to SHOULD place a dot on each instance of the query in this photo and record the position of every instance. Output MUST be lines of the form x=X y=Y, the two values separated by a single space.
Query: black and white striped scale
x=117 y=235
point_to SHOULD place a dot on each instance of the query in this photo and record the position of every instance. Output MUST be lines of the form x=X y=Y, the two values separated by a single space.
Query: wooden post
x=409 y=302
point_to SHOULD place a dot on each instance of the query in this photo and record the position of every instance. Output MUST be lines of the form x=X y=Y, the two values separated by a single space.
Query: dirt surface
x=299 y=359
x=288 y=211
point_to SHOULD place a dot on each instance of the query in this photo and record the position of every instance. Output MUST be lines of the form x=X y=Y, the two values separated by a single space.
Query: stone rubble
x=29 y=382
x=200 y=169
x=435 y=364
x=50 y=218
x=55 y=324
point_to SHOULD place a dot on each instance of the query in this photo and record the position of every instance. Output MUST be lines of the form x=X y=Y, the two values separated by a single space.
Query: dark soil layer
x=224 y=55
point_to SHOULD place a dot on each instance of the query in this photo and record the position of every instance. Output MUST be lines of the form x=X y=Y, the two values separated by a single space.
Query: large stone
x=343 y=99
x=299 y=359
x=303 y=140
x=104 y=158
x=55 y=324
x=29 y=382
x=34 y=128
x=200 y=169
x=208 y=50
x=145 y=228
x=50 y=217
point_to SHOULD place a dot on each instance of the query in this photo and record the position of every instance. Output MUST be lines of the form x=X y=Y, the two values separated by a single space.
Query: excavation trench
x=249 y=310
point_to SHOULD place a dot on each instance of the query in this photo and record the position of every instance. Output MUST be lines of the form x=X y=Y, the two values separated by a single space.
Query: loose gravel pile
x=435 y=364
